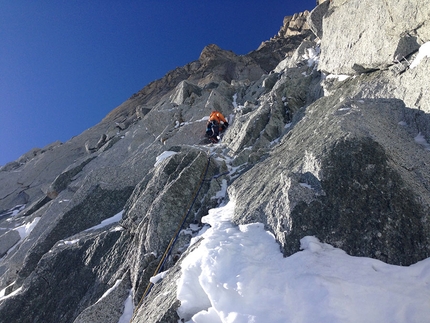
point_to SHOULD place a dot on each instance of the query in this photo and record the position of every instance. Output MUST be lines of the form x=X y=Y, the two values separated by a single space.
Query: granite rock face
x=345 y=182
x=362 y=36
x=308 y=152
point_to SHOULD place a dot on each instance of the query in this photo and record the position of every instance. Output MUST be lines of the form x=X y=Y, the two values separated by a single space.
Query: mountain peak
x=213 y=52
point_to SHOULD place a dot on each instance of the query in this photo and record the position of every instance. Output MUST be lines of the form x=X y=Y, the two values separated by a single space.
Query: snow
x=128 y=309
x=420 y=139
x=70 y=242
x=306 y=185
x=116 y=218
x=25 y=229
x=13 y=212
x=163 y=156
x=235 y=101
x=339 y=77
x=423 y=52
x=106 y=293
x=238 y=274
x=282 y=65
x=312 y=56
x=17 y=209
x=3 y=291
x=15 y=292
x=222 y=192
x=155 y=279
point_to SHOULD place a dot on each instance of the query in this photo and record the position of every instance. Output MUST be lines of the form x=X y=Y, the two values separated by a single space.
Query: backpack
x=212 y=129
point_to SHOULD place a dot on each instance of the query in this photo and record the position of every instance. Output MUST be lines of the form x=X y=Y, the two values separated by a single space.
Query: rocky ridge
x=329 y=137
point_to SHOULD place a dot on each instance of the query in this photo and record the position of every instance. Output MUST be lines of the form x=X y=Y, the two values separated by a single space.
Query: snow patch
x=420 y=139
x=164 y=156
x=25 y=229
x=222 y=192
x=238 y=274
x=71 y=242
x=116 y=218
x=3 y=291
x=13 y=211
x=423 y=52
x=106 y=293
x=155 y=279
x=17 y=209
x=339 y=77
x=312 y=56
x=128 y=309
x=235 y=101
x=305 y=185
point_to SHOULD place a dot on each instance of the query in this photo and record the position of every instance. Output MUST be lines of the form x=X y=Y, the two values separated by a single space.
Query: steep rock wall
x=362 y=36
x=348 y=173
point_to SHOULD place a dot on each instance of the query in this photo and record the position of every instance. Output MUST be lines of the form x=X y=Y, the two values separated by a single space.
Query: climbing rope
x=175 y=237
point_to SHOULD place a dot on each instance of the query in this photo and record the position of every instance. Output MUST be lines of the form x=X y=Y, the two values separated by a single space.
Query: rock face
x=308 y=152
x=361 y=36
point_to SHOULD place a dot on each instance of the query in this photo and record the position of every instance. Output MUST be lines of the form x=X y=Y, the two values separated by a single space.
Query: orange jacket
x=217 y=116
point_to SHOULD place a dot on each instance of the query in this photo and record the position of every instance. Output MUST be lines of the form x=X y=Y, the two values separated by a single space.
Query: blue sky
x=64 y=65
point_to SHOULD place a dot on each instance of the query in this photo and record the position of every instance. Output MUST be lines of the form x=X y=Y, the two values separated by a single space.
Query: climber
x=216 y=123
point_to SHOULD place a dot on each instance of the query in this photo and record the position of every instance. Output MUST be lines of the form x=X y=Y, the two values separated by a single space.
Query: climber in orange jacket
x=216 y=123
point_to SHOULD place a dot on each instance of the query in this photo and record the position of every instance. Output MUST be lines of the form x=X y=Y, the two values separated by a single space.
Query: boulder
x=160 y=203
x=184 y=90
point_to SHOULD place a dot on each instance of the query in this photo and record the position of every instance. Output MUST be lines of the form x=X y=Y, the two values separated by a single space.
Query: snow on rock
x=106 y=293
x=420 y=139
x=13 y=211
x=3 y=292
x=128 y=309
x=235 y=101
x=163 y=156
x=25 y=229
x=155 y=279
x=340 y=77
x=17 y=209
x=70 y=242
x=237 y=274
x=312 y=56
x=424 y=52
x=116 y=218
x=222 y=192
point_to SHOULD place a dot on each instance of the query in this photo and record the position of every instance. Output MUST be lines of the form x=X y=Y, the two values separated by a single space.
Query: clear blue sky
x=65 y=64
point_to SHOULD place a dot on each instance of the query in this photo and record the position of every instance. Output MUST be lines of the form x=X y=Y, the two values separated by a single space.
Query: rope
x=175 y=237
